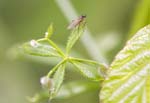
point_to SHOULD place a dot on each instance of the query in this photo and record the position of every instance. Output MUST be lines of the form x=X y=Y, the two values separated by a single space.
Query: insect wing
x=74 y=24
x=71 y=26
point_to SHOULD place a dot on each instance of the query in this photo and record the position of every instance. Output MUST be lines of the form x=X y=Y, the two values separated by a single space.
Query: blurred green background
x=109 y=22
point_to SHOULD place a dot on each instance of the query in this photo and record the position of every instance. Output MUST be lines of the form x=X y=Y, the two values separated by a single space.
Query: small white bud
x=46 y=82
x=34 y=43
x=46 y=34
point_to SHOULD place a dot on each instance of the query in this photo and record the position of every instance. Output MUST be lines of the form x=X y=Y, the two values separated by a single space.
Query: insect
x=76 y=22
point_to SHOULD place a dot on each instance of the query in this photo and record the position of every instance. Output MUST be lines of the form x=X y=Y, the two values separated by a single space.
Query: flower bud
x=46 y=82
x=46 y=35
x=34 y=43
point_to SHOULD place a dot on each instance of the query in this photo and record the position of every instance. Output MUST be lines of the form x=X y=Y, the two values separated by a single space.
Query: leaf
x=75 y=35
x=57 y=80
x=129 y=75
x=49 y=31
x=39 y=49
x=75 y=88
x=90 y=70
x=39 y=97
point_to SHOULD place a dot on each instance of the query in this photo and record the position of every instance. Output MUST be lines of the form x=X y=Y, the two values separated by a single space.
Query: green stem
x=55 y=68
x=84 y=60
x=54 y=45
x=89 y=61
x=42 y=39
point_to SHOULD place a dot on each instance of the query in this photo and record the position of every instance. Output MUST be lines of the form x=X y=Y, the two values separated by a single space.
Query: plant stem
x=57 y=48
x=88 y=61
x=83 y=60
x=56 y=67
x=42 y=39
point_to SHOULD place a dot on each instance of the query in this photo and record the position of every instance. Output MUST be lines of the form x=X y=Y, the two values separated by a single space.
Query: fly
x=76 y=22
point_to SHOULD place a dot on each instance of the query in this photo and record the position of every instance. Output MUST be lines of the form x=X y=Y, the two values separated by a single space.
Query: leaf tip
x=49 y=32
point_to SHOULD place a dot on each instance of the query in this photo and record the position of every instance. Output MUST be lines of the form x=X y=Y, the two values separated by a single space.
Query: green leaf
x=75 y=88
x=57 y=80
x=66 y=91
x=39 y=49
x=75 y=35
x=39 y=97
x=49 y=31
x=129 y=75
x=93 y=71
